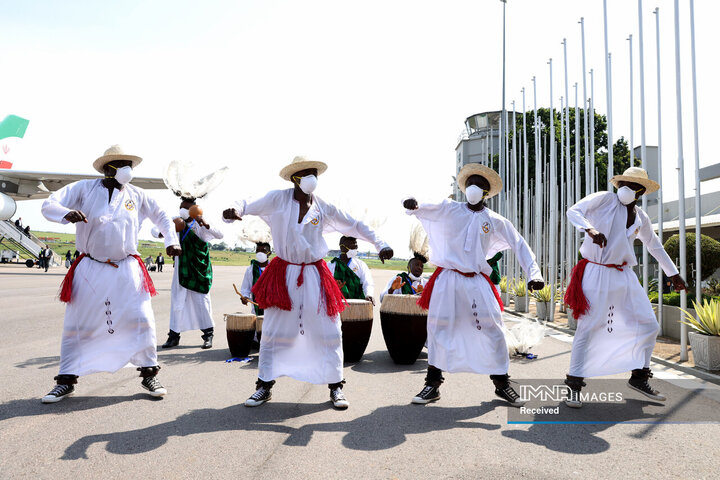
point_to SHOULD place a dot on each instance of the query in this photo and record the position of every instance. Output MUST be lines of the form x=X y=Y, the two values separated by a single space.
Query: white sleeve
x=206 y=234
x=151 y=210
x=260 y=207
x=368 y=282
x=655 y=246
x=331 y=267
x=62 y=202
x=339 y=221
x=577 y=214
x=246 y=287
x=429 y=211
x=506 y=236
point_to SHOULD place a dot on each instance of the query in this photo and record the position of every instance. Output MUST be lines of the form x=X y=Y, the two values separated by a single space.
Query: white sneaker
x=260 y=396
x=58 y=393
x=153 y=385
x=338 y=398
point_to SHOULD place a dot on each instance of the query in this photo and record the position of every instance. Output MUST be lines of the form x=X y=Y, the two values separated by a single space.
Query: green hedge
x=709 y=253
x=673 y=299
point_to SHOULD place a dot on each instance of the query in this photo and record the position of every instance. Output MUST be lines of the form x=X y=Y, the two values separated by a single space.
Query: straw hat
x=301 y=163
x=470 y=169
x=115 y=153
x=636 y=175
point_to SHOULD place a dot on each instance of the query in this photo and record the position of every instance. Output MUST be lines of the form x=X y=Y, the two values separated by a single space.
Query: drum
x=240 y=329
x=357 y=320
x=404 y=327
x=258 y=328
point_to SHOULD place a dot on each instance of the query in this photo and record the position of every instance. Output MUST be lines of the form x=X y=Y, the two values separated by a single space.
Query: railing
x=16 y=239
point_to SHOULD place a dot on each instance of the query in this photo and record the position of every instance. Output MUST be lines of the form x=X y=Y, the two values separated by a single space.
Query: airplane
x=18 y=185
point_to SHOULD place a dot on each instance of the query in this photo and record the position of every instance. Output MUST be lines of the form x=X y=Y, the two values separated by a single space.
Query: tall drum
x=240 y=329
x=404 y=327
x=357 y=320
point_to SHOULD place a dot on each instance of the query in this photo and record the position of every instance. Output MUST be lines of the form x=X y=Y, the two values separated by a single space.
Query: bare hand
x=410 y=204
x=244 y=300
x=419 y=288
x=678 y=283
x=598 y=238
x=535 y=285
x=397 y=284
x=371 y=300
x=173 y=251
x=202 y=222
x=231 y=214
x=76 y=216
x=386 y=254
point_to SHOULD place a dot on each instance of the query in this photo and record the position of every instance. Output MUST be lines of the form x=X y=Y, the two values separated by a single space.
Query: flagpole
x=643 y=146
x=632 y=106
x=577 y=146
x=538 y=184
x=608 y=87
x=563 y=207
x=526 y=196
x=573 y=234
x=553 y=202
x=681 y=182
x=588 y=175
x=592 y=131
x=698 y=212
x=659 y=165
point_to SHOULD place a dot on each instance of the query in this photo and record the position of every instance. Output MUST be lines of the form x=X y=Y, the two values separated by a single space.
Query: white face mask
x=352 y=253
x=261 y=257
x=308 y=184
x=626 y=195
x=413 y=277
x=123 y=175
x=184 y=213
x=474 y=194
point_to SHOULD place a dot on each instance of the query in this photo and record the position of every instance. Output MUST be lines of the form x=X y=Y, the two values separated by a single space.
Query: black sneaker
x=338 y=398
x=510 y=395
x=58 y=393
x=260 y=396
x=153 y=385
x=427 y=395
x=171 y=342
x=207 y=342
x=642 y=386
x=573 y=399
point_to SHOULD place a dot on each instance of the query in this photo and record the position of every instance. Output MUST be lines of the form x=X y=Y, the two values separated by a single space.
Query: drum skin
x=240 y=329
x=357 y=320
x=404 y=327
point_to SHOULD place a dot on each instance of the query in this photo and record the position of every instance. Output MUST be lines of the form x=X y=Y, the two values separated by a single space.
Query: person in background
x=68 y=259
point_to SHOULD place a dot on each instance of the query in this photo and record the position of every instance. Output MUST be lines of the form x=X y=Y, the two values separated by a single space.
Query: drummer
x=465 y=327
x=408 y=283
x=301 y=337
x=252 y=274
x=352 y=274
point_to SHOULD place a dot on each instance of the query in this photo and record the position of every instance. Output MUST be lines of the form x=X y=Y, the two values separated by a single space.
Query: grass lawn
x=62 y=242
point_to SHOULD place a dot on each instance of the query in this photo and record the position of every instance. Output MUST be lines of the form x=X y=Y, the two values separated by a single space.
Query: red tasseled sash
x=66 y=286
x=271 y=291
x=574 y=296
x=424 y=301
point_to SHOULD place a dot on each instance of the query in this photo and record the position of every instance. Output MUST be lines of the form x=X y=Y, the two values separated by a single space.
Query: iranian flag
x=12 y=130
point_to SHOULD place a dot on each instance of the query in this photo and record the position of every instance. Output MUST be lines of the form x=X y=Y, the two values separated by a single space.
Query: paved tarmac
x=112 y=429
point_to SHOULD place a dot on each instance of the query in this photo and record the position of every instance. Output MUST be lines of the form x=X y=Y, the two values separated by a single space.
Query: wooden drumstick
x=244 y=297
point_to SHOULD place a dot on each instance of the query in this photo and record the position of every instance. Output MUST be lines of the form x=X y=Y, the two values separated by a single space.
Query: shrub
x=709 y=253
x=708 y=321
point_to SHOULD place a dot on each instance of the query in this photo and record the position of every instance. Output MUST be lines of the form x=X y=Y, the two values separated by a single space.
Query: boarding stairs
x=12 y=238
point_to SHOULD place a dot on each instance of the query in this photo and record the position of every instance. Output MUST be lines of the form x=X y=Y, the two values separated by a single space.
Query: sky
x=378 y=90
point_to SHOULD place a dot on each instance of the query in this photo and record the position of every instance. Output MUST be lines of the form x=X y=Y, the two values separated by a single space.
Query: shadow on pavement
x=379 y=361
x=30 y=407
x=39 y=362
x=384 y=428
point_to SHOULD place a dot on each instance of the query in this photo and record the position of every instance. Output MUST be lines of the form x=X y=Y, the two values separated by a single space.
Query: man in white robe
x=616 y=325
x=465 y=327
x=411 y=282
x=360 y=285
x=301 y=335
x=191 y=306
x=109 y=321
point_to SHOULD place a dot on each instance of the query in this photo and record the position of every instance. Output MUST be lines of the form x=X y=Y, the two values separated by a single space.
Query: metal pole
x=608 y=87
x=681 y=182
x=632 y=107
x=577 y=146
x=659 y=160
x=573 y=234
x=553 y=202
x=538 y=183
x=503 y=119
x=592 y=132
x=563 y=207
x=526 y=196
x=698 y=216
x=643 y=149
x=513 y=183
x=588 y=174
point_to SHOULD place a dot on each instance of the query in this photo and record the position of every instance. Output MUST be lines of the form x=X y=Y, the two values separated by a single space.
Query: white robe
x=247 y=283
x=192 y=310
x=465 y=327
x=360 y=269
x=398 y=291
x=109 y=321
x=303 y=343
x=619 y=331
